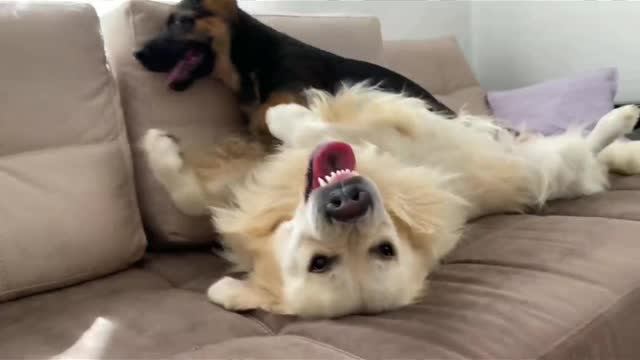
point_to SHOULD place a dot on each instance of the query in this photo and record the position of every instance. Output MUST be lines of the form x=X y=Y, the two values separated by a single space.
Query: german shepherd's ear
x=227 y=9
x=218 y=25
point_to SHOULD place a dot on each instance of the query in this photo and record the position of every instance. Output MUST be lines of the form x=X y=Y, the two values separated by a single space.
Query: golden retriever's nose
x=348 y=201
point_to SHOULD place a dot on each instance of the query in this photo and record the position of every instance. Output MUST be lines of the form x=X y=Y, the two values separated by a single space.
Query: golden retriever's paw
x=626 y=117
x=162 y=151
x=287 y=121
x=613 y=125
x=234 y=295
x=621 y=120
x=622 y=157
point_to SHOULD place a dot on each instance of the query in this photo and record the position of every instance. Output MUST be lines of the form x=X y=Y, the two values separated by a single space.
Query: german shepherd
x=262 y=66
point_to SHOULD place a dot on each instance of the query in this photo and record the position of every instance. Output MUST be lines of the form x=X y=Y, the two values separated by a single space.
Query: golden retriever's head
x=355 y=231
x=355 y=243
x=336 y=228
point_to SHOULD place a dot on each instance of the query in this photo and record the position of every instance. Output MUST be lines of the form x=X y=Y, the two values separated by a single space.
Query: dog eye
x=171 y=19
x=184 y=20
x=321 y=263
x=181 y=20
x=385 y=250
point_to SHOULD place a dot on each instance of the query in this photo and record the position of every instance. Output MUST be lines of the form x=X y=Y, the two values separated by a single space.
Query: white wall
x=400 y=19
x=521 y=43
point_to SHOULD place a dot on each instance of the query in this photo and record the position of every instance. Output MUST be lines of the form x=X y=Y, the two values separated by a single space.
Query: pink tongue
x=185 y=67
x=330 y=157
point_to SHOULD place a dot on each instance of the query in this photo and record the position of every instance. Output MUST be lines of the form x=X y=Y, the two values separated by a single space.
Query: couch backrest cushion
x=68 y=211
x=206 y=113
x=439 y=66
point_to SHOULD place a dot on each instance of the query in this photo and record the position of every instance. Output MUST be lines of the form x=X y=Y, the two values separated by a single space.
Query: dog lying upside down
x=369 y=191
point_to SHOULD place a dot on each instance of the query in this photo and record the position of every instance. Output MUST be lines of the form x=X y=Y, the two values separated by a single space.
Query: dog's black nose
x=142 y=54
x=349 y=201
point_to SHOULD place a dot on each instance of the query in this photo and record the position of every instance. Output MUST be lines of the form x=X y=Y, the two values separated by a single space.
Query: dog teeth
x=331 y=177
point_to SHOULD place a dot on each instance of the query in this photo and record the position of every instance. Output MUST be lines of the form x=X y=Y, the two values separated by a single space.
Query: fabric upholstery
x=68 y=211
x=554 y=106
x=439 y=66
x=564 y=284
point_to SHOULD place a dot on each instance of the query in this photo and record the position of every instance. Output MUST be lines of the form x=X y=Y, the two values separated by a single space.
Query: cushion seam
x=261 y=323
x=596 y=316
x=68 y=281
x=458 y=89
x=515 y=266
x=326 y=346
x=268 y=330
x=106 y=140
x=4 y=277
x=125 y=151
x=147 y=90
x=585 y=217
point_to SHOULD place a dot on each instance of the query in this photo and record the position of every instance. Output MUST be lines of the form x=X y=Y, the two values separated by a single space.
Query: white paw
x=285 y=120
x=162 y=151
x=233 y=294
x=622 y=157
x=627 y=116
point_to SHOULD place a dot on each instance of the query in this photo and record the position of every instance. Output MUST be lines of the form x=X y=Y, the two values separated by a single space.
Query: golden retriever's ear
x=422 y=210
x=238 y=295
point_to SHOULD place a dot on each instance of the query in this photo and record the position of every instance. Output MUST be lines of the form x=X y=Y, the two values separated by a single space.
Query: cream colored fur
x=431 y=176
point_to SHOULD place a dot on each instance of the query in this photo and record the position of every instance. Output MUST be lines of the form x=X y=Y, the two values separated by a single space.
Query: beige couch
x=76 y=281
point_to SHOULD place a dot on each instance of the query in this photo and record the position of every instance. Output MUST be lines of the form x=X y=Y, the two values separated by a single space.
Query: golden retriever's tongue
x=183 y=69
x=329 y=158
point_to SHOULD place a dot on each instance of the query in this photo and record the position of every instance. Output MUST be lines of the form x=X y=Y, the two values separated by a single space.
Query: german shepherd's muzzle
x=182 y=51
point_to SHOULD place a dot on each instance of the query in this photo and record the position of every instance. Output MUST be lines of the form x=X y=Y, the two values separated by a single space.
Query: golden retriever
x=368 y=192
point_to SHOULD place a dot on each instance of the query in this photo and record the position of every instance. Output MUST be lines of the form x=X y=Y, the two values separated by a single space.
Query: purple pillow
x=553 y=106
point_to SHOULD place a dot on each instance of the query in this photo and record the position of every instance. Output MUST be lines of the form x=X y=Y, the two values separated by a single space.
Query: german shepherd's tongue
x=331 y=162
x=184 y=68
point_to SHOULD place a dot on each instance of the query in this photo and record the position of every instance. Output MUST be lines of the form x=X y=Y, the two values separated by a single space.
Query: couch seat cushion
x=559 y=286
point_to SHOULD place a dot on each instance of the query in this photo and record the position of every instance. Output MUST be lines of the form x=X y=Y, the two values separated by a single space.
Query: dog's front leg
x=168 y=167
x=237 y=295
